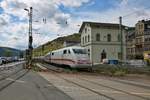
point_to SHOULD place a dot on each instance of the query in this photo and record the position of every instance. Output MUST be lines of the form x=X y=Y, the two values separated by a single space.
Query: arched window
x=97 y=37
x=108 y=37
x=85 y=39
x=88 y=38
x=85 y=30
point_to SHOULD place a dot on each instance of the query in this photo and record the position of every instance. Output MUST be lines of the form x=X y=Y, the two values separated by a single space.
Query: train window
x=79 y=51
x=52 y=53
x=69 y=52
x=65 y=52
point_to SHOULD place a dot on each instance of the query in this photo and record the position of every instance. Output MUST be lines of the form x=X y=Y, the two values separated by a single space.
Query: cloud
x=16 y=34
x=56 y=25
x=2 y=22
x=124 y=2
x=4 y=19
x=70 y=3
x=131 y=12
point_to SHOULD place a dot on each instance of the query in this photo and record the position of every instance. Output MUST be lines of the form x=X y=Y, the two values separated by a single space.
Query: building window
x=85 y=39
x=108 y=37
x=85 y=30
x=97 y=37
x=119 y=55
x=146 y=39
x=88 y=38
x=119 y=38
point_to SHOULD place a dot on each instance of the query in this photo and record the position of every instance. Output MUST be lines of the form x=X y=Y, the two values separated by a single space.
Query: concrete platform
x=31 y=87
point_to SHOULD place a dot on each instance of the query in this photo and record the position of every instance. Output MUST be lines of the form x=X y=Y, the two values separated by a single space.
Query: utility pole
x=29 y=58
x=121 y=37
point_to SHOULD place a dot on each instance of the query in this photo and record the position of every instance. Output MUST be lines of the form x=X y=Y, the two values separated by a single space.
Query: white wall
x=96 y=47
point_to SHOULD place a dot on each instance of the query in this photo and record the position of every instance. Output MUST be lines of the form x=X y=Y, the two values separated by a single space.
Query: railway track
x=56 y=71
x=99 y=84
x=65 y=69
x=142 y=97
x=130 y=83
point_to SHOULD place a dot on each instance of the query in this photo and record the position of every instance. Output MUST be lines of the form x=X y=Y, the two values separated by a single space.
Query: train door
x=103 y=55
x=66 y=56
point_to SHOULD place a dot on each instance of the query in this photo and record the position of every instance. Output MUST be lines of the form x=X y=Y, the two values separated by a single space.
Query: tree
x=8 y=53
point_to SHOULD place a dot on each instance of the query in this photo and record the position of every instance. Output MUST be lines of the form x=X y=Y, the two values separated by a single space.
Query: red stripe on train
x=64 y=61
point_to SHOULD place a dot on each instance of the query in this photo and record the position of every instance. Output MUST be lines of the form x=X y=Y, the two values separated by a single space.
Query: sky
x=14 y=19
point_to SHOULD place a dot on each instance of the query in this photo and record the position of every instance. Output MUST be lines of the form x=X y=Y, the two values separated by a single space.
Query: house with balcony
x=142 y=38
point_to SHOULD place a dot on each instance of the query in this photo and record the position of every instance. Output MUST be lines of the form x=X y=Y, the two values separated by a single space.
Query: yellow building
x=142 y=37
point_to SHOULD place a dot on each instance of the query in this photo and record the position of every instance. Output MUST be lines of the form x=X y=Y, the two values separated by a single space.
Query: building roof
x=144 y=21
x=93 y=24
x=68 y=41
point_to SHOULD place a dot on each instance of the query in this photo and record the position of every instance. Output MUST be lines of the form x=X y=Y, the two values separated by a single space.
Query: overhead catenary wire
x=134 y=12
x=129 y=14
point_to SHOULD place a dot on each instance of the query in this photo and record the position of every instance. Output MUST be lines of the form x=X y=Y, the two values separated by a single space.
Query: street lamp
x=29 y=57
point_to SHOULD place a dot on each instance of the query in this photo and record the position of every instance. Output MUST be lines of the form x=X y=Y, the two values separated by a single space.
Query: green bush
x=112 y=70
x=120 y=73
x=119 y=70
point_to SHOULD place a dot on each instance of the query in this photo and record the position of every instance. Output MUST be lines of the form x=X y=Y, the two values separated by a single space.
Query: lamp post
x=29 y=56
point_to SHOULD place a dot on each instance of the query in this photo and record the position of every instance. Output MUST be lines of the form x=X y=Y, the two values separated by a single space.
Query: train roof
x=64 y=48
x=72 y=47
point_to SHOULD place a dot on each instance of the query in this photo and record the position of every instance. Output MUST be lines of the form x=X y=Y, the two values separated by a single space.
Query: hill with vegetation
x=8 y=52
x=55 y=44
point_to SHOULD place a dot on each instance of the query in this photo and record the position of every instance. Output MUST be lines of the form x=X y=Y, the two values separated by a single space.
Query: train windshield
x=79 y=51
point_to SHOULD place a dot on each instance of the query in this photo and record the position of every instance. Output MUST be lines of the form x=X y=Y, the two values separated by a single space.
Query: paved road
x=93 y=87
x=27 y=85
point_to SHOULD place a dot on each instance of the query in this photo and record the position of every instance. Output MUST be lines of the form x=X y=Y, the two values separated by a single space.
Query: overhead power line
x=135 y=12
x=129 y=14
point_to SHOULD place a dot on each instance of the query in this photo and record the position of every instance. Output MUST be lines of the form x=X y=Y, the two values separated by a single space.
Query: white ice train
x=75 y=57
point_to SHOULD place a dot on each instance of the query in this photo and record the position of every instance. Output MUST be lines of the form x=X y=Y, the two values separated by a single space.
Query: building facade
x=138 y=40
x=102 y=40
x=130 y=40
x=142 y=37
